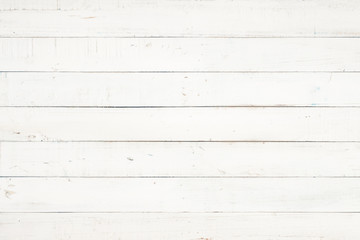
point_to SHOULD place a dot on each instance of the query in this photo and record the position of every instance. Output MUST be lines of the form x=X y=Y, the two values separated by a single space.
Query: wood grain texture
x=176 y=159
x=179 y=89
x=174 y=54
x=182 y=19
x=179 y=195
x=26 y=5
x=221 y=18
x=199 y=226
x=172 y=119
x=180 y=124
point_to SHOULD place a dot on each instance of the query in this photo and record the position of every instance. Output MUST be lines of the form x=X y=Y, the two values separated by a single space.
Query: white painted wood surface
x=180 y=195
x=179 y=226
x=179 y=159
x=169 y=119
x=162 y=18
x=180 y=124
x=179 y=89
x=179 y=54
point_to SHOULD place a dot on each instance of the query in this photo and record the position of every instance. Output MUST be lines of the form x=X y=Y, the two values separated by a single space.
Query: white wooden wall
x=179 y=119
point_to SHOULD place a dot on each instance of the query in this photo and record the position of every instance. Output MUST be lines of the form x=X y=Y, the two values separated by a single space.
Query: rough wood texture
x=179 y=119
x=179 y=226
x=180 y=124
x=180 y=195
x=163 y=18
x=179 y=159
x=180 y=54
x=179 y=89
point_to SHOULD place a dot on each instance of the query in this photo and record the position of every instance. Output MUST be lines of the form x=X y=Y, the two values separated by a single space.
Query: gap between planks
x=177 y=141
x=225 y=106
x=195 y=177
x=166 y=71
x=185 y=212
x=222 y=106
x=182 y=37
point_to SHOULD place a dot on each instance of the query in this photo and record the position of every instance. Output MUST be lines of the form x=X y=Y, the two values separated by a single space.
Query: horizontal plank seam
x=171 y=177
x=182 y=212
x=194 y=106
x=147 y=72
x=179 y=141
x=186 y=37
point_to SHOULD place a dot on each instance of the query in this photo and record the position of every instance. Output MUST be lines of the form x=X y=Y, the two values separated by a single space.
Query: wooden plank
x=151 y=18
x=140 y=159
x=179 y=124
x=179 y=226
x=179 y=89
x=175 y=54
x=27 y=5
x=180 y=194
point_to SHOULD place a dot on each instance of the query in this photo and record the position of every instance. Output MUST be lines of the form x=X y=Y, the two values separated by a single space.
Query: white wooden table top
x=179 y=119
